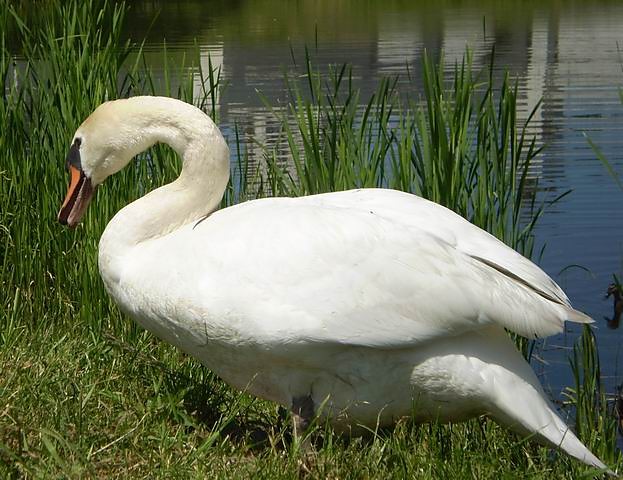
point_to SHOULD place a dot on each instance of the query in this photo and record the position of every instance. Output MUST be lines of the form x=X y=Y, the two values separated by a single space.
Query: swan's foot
x=303 y=412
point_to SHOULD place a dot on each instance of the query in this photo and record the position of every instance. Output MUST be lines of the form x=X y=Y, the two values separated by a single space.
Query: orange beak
x=79 y=195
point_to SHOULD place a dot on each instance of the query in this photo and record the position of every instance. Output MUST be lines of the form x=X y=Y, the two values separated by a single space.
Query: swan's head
x=104 y=143
x=121 y=129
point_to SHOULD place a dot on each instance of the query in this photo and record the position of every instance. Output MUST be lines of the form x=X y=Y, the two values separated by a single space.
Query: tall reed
x=595 y=419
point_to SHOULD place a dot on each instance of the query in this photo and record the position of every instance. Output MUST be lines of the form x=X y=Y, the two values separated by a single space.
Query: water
x=563 y=52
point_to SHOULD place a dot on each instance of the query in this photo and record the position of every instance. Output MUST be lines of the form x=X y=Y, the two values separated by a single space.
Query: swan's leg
x=303 y=412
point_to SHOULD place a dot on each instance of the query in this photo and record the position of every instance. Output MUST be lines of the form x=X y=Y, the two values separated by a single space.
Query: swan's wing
x=445 y=224
x=341 y=272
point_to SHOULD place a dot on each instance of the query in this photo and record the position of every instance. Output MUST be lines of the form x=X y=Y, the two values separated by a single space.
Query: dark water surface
x=563 y=52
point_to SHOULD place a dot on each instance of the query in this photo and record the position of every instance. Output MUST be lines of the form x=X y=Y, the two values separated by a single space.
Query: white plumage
x=374 y=303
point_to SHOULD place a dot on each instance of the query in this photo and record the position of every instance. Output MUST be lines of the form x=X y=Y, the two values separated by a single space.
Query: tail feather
x=574 y=447
x=576 y=316
x=537 y=415
x=520 y=403
x=557 y=434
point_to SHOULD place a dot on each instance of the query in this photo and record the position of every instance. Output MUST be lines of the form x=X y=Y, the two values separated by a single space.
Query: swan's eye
x=73 y=157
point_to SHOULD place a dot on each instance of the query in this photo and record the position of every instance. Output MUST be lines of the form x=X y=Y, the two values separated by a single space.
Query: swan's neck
x=196 y=192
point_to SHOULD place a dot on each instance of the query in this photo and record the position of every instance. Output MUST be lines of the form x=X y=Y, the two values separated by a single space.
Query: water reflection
x=252 y=42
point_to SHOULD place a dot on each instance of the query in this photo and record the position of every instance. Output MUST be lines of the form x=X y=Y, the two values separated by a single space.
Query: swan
x=360 y=307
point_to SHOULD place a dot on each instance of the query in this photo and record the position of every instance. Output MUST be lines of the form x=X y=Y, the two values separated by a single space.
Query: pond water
x=563 y=52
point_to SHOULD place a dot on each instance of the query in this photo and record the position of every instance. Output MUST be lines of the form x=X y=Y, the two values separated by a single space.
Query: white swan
x=376 y=304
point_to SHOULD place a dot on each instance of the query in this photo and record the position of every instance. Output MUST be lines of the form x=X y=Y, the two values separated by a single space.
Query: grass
x=593 y=411
x=84 y=392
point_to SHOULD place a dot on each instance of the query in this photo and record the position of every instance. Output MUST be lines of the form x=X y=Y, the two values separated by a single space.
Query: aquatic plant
x=595 y=419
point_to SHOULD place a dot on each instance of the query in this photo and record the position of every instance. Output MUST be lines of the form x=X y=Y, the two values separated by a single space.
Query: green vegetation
x=84 y=392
